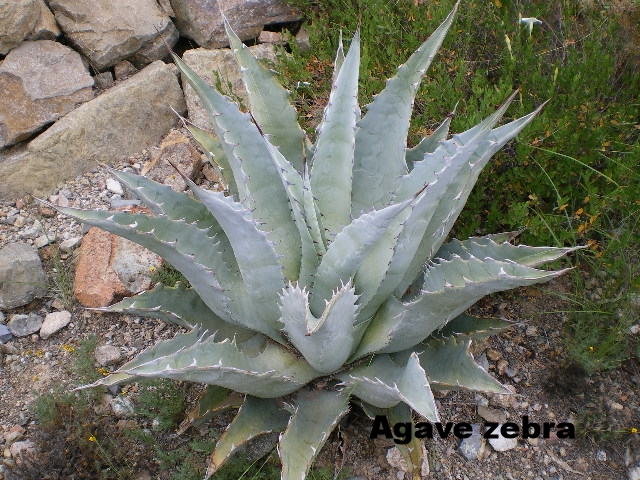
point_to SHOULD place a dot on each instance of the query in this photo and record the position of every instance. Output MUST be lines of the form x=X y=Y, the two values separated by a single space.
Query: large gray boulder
x=201 y=20
x=46 y=27
x=109 y=31
x=22 y=278
x=17 y=20
x=39 y=82
x=22 y=325
x=129 y=117
x=214 y=65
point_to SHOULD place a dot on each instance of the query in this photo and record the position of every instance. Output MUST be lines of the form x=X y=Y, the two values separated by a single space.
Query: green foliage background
x=576 y=165
x=572 y=177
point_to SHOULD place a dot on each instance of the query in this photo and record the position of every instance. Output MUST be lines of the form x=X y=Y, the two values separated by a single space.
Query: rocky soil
x=79 y=94
x=529 y=358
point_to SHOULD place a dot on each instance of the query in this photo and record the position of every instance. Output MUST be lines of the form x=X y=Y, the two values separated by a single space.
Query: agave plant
x=322 y=277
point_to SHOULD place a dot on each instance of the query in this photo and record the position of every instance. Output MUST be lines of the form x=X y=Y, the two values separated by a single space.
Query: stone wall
x=83 y=83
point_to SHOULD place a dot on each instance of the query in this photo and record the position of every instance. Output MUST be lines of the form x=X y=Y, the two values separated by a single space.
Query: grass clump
x=163 y=401
x=48 y=409
x=83 y=366
x=60 y=275
x=598 y=340
x=75 y=440
x=80 y=441
x=185 y=462
x=168 y=275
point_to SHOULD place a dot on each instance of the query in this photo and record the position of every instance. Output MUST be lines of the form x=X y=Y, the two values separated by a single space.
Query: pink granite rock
x=111 y=267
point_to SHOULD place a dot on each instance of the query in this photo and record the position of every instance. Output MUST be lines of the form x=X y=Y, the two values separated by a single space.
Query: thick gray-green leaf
x=312 y=215
x=307 y=225
x=345 y=253
x=461 y=188
x=383 y=270
x=464 y=158
x=411 y=451
x=339 y=60
x=212 y=401
x=163 y=200
x=482 y=247
x=316 y=414
x=213 y=147
x=472 y=327
x=383 y=383
x=256 y=176
x=162 y=349
x=257 y=416
x=181 y=306
x=428 y=144
x=449 y=288
x=375 y=267
x=332 y=167
x=381 y=138
x=272 y=372
x=222 y=115
x=325 y=342
x=450 y=366
x=457 y=155
x=441 y=172
x=184 y=245
x=256 y=256
x=269 y=103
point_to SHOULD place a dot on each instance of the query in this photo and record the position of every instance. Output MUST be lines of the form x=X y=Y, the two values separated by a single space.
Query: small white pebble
x=114 y=186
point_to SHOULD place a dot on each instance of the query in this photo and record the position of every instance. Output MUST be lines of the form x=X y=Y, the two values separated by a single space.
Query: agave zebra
x=323 y=277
